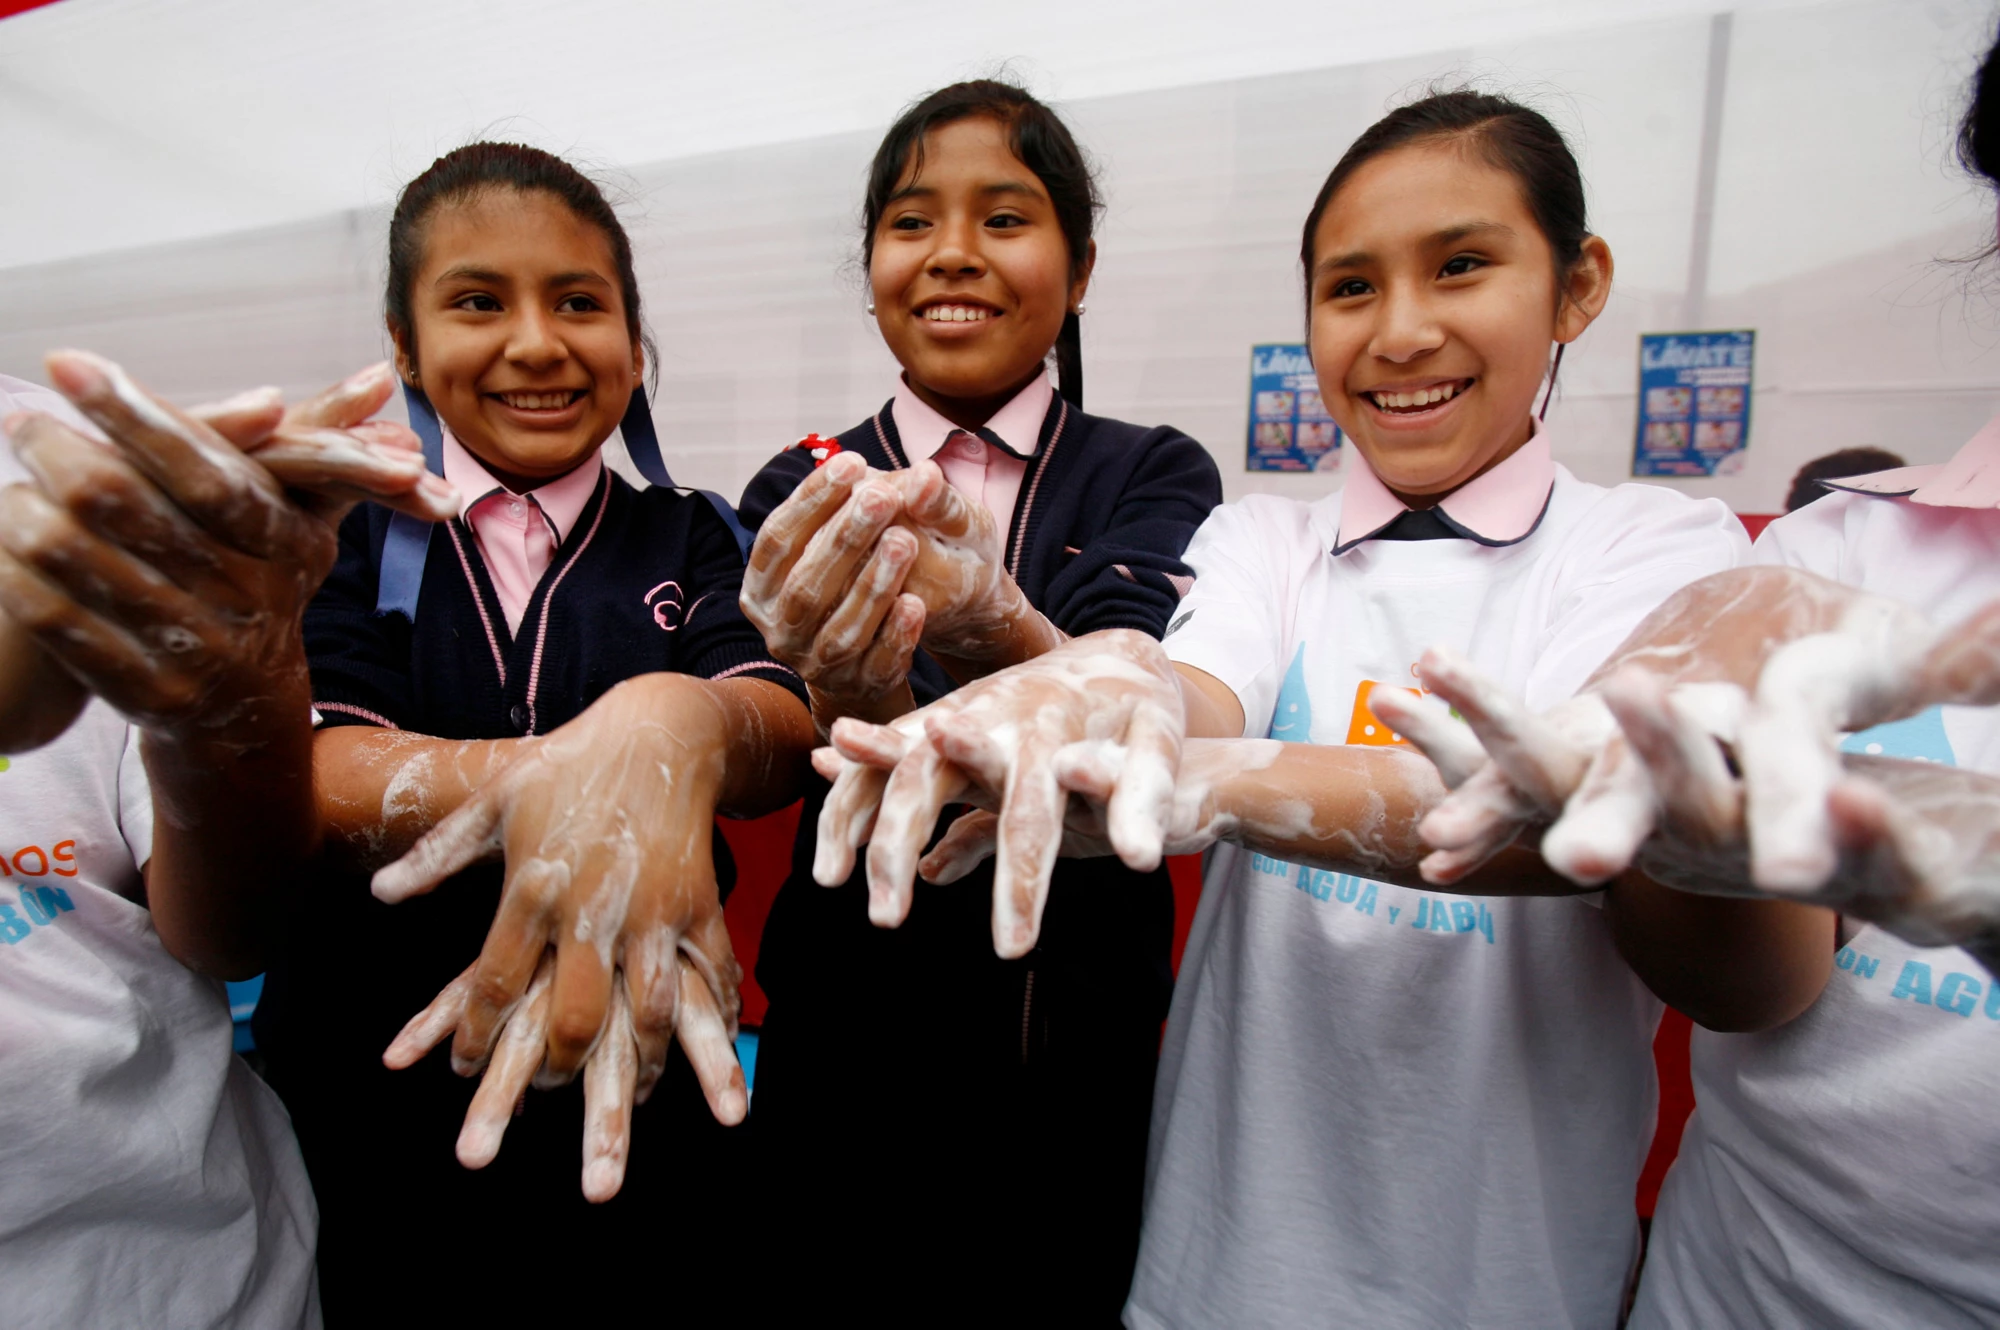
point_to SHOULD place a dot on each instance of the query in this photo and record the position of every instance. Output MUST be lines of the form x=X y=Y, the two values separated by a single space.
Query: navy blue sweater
x=1104 y=513
x=645 y=581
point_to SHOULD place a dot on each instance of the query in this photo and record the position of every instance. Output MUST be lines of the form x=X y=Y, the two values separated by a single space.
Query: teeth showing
x=957 y=313
x=1422 y=397
x=538 y=401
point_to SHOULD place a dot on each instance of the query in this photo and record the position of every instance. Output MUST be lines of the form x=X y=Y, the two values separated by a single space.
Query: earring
x=871 y=307
x=1079 y=309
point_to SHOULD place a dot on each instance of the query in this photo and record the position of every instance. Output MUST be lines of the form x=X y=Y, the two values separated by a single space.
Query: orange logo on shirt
x=1364 y=727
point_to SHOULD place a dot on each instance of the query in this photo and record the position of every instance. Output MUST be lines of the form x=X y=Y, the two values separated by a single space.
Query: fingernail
x=361 y=378
x=433 y=483
x=78 y=374
x=602 y=1177
x=254 y=399
x=846 y=468
x=402 y=458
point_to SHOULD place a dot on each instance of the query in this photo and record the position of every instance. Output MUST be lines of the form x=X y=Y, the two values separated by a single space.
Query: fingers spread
x=512 y=954
x=918 y=789
x=1140 y=807
x=583 y=991
x=845 y=821
x=470 y=833
x=609 y=1084
x=1606 y=820
x=1543 y=764
x=1429 y=725
x=651 y=970
x=428 y=1027
x=506 y=1080
x=969 y=841
x=705 y=1038
x=1030 y=837
x=1698 y=796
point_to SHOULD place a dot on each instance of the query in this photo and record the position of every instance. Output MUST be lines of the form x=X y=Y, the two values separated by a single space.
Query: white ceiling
x=133 y=122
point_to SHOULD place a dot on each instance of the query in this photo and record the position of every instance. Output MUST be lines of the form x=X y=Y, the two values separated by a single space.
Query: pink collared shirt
x=517 y=533
x=971 y=466
x=1500 y=507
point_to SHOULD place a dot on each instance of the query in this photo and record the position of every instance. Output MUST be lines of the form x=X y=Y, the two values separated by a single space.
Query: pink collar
x=562 y=501
x=1500 y=507
x=1017 y=425
x=1971 y=479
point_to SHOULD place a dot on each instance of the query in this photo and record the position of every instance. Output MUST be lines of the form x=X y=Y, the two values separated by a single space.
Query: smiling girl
x=572 y=684
x=917 y=1091
x=1378 y=1103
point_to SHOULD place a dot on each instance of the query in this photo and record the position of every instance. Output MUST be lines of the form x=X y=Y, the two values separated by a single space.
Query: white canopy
x=198 y=188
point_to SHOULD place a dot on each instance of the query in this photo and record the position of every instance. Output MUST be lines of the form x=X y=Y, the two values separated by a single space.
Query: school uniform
x=1843 y=1170
x=1386 y=1106
x=530 y=608
x=947 y=1136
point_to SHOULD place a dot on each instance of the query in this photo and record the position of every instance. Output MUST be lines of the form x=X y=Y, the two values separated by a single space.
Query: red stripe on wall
x=9 y=8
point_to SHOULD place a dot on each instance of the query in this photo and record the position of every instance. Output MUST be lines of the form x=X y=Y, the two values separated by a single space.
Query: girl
x=1014 y=1088
x=1377 y=1102
x=515 y=314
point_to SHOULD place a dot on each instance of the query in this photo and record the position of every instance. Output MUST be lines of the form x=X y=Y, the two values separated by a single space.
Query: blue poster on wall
x=1694 y=403
x=1289 y=427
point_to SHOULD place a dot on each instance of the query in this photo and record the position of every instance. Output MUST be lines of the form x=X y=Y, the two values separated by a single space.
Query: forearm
x=768 y=739
x=1730 y=965
x=878 y=710
x=234 y=827
x=38 y=698
x=1021 y=635
x=1352 y=808
x=378 y=791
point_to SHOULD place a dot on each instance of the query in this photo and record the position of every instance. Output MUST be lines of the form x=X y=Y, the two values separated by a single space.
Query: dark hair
x=1847 y=462
x=1979 y=132
x=1507 y=136
x=463 y=173
x=1037 y=136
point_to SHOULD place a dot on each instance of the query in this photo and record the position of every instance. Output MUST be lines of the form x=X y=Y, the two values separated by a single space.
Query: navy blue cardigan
x=645 y=581
x=1104 y=513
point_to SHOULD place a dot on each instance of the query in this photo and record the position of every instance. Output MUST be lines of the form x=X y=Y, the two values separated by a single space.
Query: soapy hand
x=167 y=571
x=858 y=568
x=1016 y=735
x=1902 y=844
x=1717 y=631
x=609 y=940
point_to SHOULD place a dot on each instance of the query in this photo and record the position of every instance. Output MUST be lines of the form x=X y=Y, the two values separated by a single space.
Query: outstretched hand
x=1716 y=787
x=1017 y=736
x=610 y=939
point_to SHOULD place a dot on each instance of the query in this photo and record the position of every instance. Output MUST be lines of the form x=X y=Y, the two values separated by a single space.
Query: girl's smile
x=520 y=335
x=1434 y=298
x=971 y=274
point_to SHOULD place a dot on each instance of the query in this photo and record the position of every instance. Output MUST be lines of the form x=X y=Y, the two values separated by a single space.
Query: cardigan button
x=519 y=715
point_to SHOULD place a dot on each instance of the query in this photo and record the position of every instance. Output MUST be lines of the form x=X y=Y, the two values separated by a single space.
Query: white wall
x=1834 y=200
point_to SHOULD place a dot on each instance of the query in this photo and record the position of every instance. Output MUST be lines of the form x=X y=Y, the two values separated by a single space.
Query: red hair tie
x=823 y=450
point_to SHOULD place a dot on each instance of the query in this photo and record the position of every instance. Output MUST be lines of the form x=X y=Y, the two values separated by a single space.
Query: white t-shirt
x=147 y=1177
x=1389 y=1107
x=1844 y=1169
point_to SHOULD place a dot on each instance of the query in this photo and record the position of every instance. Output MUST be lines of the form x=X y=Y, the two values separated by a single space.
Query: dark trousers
x=946 y=1138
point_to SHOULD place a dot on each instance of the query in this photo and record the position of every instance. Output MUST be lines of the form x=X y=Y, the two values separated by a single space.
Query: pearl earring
x=1079 y=309
x=871 y=307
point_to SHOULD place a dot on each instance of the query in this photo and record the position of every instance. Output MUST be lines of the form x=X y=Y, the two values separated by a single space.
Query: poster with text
x=1694 y=403
x=1289 y=427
